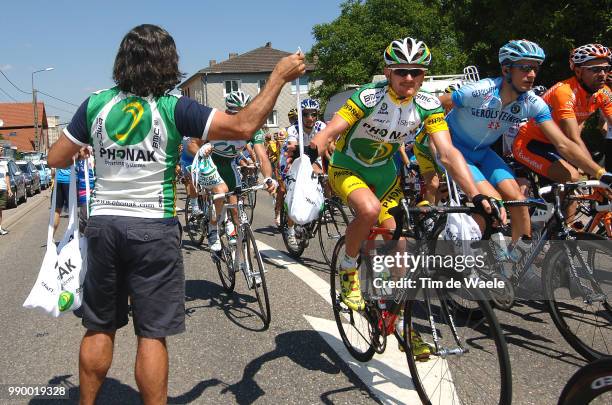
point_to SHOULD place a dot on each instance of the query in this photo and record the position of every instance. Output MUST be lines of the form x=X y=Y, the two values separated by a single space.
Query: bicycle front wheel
x=194 y=224
x=332 y=226
x=250 y=201
x=225 y=261
x=580 y=307
x=467 y=359
x=256 y=273
x=354 y=327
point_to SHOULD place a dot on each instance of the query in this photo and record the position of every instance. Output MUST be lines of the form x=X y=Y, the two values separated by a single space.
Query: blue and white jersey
x=293 y=134
x=478 y=118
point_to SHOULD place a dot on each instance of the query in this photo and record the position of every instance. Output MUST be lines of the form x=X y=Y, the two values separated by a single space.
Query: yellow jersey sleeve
x=350 y=112
x=435 y=123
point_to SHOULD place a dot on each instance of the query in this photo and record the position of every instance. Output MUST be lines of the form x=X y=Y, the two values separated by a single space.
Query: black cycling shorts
x=140 y=258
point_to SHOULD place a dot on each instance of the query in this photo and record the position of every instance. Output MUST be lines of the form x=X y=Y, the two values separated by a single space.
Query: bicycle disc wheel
x=468 y=361
x=256 y=268
x=584 y=320
x=332 y=226
x=590 y=385
x=224 y=260
x=301 y=244
x=194 y=224
x=354 y=327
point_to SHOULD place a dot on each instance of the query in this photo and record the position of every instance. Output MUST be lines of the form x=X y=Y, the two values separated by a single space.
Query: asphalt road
x=225 y=356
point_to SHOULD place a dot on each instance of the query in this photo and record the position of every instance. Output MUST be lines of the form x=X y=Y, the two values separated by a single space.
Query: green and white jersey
x=380 y=122
x=230 y=149
x=135 y=142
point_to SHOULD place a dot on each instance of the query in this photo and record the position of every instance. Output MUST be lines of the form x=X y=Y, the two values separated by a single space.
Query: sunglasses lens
x=597 y=69
x=406 y=72
x=529 y=68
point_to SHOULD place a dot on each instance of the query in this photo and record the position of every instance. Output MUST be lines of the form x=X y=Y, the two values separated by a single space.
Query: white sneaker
x=3 y=231
x=213 y=241
x=292 y=241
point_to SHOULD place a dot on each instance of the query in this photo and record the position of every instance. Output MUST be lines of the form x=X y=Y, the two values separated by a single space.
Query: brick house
x=247 y=72
x=18 y=126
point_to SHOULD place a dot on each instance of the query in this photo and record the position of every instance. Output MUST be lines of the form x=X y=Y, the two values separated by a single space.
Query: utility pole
x=36 y=134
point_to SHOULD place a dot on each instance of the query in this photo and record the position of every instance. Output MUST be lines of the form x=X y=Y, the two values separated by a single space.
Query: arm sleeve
x=258 y=137
x=542 y=112
x=562 y=102
x=606 y=102
x=77 y=130
x=353 y=110
x=193 y=119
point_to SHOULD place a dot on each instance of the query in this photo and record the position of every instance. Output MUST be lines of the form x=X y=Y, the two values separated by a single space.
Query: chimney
x=212 y=62
x=232 y=55
x=268 y=44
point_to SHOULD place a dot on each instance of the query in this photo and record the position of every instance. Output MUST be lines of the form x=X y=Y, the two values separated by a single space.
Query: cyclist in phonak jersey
x=311 y=126
x=572 y=101
x=372 y=124
x=224 y=155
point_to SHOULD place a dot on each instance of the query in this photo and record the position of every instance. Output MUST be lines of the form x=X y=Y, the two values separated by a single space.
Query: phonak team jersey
x=568 y=99
x=135 y=142
x=380 y=122
x=230 y=149
x=479 y=119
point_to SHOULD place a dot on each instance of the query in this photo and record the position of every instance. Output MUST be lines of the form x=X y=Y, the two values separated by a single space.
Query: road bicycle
x=576 y=273
x=468 y=360
x=198 y=218
x=242 y=254
x=329 y=226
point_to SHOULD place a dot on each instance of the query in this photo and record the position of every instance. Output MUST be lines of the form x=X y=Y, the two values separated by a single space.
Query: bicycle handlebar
x=572 y=186
x=238 y=191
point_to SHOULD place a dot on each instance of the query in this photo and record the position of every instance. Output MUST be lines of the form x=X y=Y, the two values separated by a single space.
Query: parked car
x=45 y=174
x=32 y=177
x=18 y=182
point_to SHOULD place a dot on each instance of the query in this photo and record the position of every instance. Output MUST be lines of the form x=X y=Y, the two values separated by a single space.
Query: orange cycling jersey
x=568 y=99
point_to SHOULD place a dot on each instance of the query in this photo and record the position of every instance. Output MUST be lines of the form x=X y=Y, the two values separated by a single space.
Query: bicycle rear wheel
x=354 y=327
x=332 y=226
x=584 y=320
x=224 y=260
x=469 y=361
x=256 y=271
x=195 y=224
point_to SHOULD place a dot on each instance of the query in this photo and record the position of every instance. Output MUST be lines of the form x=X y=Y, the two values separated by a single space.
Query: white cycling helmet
x=588 y=52
x=407 y=50
x=310 y=104
x=521 y=49
x=237 y=100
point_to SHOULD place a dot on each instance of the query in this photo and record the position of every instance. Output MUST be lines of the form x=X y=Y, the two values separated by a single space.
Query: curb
x=11 y=220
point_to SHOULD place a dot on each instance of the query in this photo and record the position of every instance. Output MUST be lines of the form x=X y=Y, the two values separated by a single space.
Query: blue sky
x=80 y=39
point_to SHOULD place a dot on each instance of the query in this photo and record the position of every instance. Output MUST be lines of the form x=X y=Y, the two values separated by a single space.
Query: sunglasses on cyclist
x=405 y=72
x=312 y=114
x=598 y=68
x=526 y=68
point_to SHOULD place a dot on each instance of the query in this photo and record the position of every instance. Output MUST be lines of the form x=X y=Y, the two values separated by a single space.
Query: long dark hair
x=147 y=62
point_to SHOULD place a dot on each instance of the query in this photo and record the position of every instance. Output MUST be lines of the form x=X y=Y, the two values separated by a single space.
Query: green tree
x=557 y=26
x=349 y=49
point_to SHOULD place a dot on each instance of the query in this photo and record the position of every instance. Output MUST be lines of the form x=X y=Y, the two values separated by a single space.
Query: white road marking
x=387 y=375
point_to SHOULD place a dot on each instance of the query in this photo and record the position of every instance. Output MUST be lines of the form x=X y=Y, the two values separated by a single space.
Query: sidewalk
x=12 y=216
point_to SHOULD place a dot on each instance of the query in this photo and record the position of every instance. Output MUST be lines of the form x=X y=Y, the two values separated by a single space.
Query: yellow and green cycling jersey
x=379 y=122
